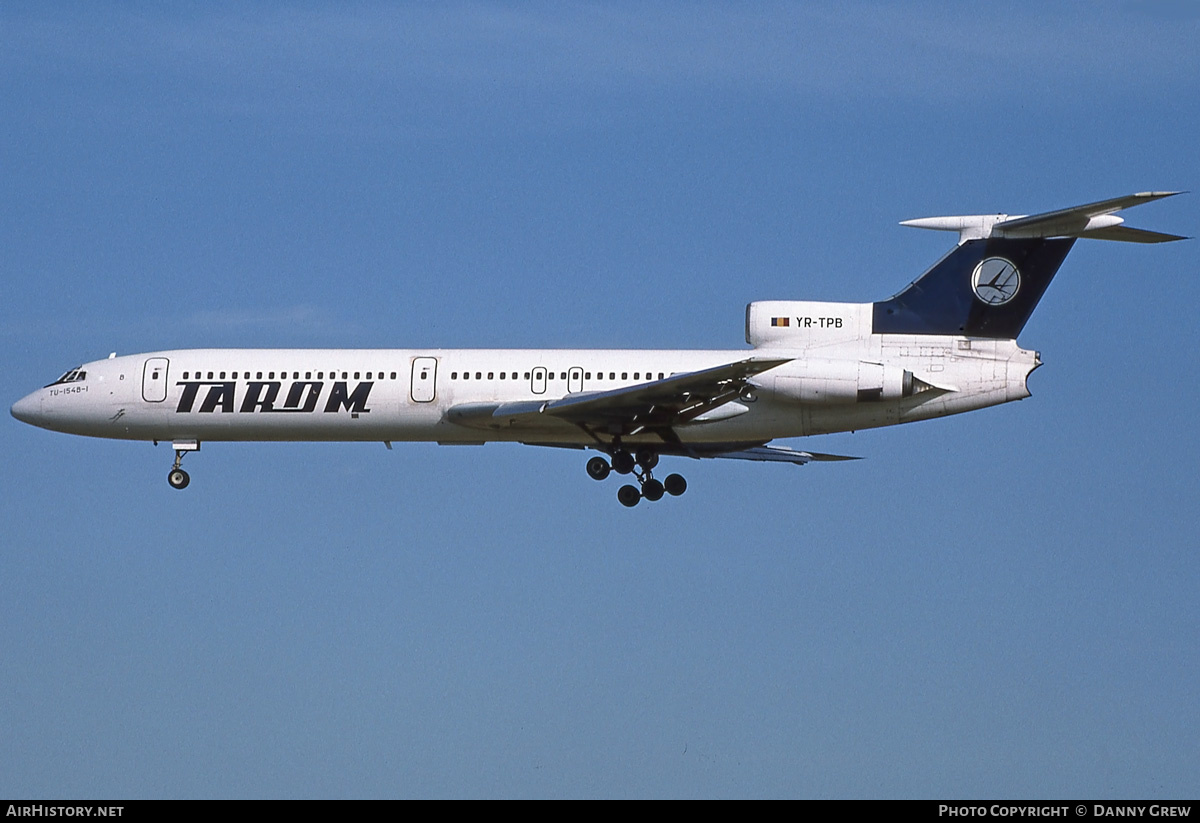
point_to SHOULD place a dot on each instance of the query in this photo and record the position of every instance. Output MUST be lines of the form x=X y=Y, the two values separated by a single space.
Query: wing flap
x=782 y=454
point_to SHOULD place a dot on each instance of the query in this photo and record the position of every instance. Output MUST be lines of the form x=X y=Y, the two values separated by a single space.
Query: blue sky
x=999 y=604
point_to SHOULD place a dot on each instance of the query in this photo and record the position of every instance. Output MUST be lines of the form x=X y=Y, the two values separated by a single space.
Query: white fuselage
x=407 y=395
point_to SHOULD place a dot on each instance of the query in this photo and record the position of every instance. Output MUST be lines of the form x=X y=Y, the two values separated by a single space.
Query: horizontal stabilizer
x=1092 y=220
x=1128 y=234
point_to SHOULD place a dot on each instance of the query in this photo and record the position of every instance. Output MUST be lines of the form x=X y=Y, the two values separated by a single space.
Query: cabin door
x=424 y=379
x=154 y=380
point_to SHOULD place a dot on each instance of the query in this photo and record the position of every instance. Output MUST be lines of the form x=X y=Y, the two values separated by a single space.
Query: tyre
x=598 y=468
x=652 y=490
x=675 y=484
x=622 y=462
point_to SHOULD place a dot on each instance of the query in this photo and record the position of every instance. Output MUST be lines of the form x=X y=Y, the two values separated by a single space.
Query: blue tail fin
x=991 y=283
x=984 y=288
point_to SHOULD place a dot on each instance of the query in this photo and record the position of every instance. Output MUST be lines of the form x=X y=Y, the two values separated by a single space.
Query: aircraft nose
x=28 y=409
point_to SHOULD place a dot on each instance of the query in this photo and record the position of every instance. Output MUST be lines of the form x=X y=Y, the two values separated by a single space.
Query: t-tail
x=990 y=284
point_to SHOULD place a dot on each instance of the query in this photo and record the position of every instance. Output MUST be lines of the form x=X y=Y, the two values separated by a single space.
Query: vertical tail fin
x=990 y=284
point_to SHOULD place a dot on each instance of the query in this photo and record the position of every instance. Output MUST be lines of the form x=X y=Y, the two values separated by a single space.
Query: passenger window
x=624 y=375
x=491 y=375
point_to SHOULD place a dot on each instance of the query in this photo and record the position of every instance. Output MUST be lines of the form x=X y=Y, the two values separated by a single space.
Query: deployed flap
x=782 y=454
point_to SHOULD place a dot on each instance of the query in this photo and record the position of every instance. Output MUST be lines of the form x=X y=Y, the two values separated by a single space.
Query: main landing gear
x=640 y=465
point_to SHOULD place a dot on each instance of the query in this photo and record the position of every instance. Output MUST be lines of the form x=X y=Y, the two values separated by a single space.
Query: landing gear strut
x=177 y=477
x=640 y=464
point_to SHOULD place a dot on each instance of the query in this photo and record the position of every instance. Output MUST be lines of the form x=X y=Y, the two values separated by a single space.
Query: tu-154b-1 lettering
x=945 y=344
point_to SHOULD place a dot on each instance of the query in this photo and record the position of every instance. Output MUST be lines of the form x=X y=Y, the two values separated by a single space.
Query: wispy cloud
x=490 y=50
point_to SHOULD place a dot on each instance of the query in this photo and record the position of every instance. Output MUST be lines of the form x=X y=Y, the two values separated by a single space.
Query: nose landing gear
x=177 y=477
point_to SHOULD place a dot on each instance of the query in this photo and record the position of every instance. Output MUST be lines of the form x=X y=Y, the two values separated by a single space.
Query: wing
x=654 y=407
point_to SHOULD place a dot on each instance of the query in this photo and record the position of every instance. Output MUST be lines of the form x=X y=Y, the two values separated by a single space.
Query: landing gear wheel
x=178 y=479
x=598 y=468
x=646 y=459
x=622 y=463
x=652 y=490
x=675 y=484
x=629 y=496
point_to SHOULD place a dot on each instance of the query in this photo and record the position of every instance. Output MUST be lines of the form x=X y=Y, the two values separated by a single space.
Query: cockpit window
x=75 y=375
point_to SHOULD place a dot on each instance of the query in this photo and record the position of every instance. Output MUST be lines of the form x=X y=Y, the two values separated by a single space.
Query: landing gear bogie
x=640 y=464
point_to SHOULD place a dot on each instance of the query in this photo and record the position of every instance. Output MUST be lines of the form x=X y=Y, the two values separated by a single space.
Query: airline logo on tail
x=996 y=281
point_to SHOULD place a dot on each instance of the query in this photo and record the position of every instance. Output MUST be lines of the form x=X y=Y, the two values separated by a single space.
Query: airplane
x=945 y=344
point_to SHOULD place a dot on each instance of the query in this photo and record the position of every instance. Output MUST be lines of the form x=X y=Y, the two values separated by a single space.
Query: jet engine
x=837 y=382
